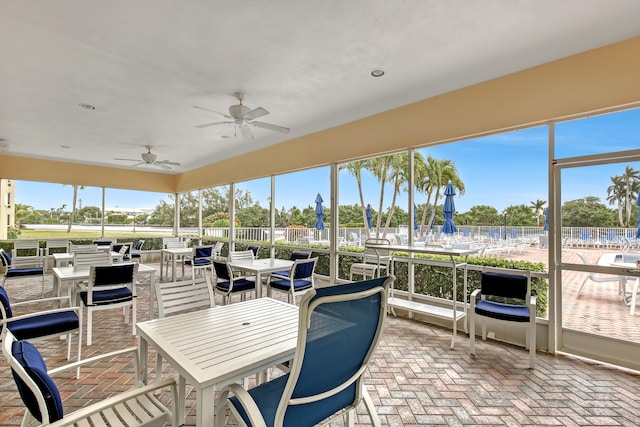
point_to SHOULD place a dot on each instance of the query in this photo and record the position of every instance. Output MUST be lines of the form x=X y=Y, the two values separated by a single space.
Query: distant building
x=7 y=207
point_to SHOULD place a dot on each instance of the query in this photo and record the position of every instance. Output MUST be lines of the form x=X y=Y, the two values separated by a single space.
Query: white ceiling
x=144 y=64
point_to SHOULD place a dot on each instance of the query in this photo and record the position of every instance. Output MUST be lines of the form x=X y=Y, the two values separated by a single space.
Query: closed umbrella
x=448 y=209
x=415 y=217
x=319 y=213
x=638 y=204
x=369 y=216
x=546 y=219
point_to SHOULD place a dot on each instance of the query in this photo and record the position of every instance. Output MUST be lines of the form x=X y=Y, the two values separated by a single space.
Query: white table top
x=261 y=265
x=69 y=273
x=433 y=250
x=231 y=342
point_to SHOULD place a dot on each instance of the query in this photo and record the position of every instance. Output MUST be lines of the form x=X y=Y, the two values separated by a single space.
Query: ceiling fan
x=149 y=158
x=243 y=117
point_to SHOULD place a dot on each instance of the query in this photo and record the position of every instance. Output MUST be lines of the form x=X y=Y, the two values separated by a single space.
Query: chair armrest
x=40 y=313
x=34 y=301
x=83 y=413
x=94 y=359
x=277 y=276
x=247 y=402
x=532 y=304
x=474 y=295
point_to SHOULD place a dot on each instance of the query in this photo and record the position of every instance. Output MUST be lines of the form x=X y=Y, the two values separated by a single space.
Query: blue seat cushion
x=238 y=285
x=30 y=359
x=501 y=311
x=284 y=273
x=198 y=262
x=44 y=325
x=267 y=397
x=30 y=271
x=108 y=296
x=285 y=285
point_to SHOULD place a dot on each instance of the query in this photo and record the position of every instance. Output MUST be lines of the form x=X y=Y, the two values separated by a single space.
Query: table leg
x=143 y=353
x=205 y=407
x=173 y=267
x=152 y=294
x=258 y=285
x=161 y=265
x=182 y=403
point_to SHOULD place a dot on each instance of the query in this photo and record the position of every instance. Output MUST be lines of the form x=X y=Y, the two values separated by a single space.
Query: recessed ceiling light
x=87 y=106
x=378 y=72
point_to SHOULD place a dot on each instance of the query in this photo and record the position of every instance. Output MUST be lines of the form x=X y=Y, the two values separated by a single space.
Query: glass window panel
x=252 y=199
x=295 y=206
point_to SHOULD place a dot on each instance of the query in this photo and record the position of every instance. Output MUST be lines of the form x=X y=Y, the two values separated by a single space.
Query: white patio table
x=230 y=342
x=260 y=266
x=64 y=275
x=626 y=263
x=174 y=253
x=63 y=259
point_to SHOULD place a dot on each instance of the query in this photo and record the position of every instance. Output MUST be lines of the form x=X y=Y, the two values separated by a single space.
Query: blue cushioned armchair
x=338 y=330
x=510 y=301
x=40 y=325
x=227 y=284
x=298 y=279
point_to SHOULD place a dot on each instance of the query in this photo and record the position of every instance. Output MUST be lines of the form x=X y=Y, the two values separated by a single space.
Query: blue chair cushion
x=238 y=285
x=285 y=285
x=30 y=359
x=198 y=262
x=4 y=300
x=501 y=311
x=44 y=325
x=30 y=271
x=108 y=296
x=284 y=273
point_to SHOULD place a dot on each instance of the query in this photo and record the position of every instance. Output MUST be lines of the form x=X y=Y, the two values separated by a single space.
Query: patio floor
x=414 y=378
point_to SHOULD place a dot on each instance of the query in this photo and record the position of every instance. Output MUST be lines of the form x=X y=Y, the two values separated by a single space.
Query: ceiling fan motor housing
x=149 y=157
x=238 y=111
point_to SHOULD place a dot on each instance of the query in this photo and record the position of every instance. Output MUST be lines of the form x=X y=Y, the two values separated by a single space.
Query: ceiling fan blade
x=161 y=165
x=255 y=113
x=212 y=124
x=168 y=163
x=212 y=111
x=129 y=160
x=246 y=132
x=269 y=126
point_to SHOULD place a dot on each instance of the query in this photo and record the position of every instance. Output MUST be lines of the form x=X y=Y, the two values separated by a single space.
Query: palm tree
x=615 y=196
x=74 y=209
x=380 y=167
x=630 y=179
x=398 y=175
x=355 y=169
x=537 y=209
x=432 y=177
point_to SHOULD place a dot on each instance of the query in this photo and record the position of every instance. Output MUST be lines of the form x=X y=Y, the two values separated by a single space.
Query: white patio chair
x=599 y=278
x=136 y=407
x=181 y=297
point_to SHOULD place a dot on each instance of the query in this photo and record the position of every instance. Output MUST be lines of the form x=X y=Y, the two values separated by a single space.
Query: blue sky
x=500 y=170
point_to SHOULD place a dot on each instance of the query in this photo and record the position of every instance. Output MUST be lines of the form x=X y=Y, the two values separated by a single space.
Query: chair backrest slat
x=88 y=259
x=240 y=255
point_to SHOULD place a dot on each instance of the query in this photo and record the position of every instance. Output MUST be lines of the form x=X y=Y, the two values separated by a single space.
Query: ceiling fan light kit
x=243 y=117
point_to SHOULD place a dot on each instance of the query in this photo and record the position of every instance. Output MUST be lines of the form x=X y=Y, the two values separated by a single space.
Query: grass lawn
x=62 y=234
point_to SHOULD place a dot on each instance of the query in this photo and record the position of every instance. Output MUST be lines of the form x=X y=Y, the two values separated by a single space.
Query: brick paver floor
x=414 y=378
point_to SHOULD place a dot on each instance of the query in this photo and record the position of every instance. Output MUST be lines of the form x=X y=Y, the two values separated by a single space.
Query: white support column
x=232 y=217
x=176 y=215
x=335 y=221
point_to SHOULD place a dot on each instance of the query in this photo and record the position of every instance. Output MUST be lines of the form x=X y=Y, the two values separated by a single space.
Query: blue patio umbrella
x=319 y=213
x=415 y=217
x=369 y=216
x=448 y=209
x=546 y=219
x=638 y=204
